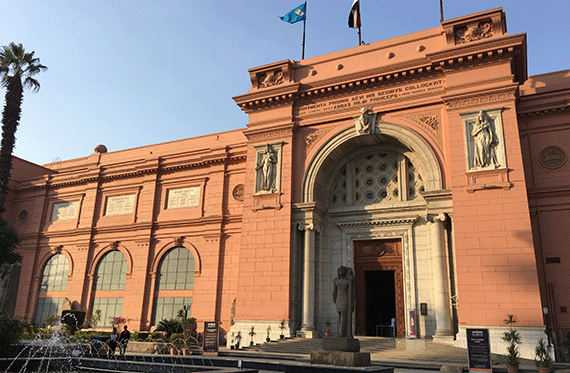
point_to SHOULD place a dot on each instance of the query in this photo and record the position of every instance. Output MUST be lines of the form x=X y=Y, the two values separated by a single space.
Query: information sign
x=479 y=350
x=211 y=332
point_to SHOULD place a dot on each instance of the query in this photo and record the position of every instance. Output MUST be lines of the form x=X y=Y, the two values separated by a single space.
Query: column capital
x=310 y=226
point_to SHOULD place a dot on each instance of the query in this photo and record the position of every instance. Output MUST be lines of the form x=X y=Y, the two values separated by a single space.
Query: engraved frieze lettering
x=120 y=205
x=183 y=197
x=65 y=211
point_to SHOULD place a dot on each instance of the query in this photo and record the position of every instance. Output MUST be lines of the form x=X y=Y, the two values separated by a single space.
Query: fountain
x=60 y=353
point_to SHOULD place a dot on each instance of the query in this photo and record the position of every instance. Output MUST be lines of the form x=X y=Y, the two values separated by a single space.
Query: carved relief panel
x=268 y=168
x=484 y=140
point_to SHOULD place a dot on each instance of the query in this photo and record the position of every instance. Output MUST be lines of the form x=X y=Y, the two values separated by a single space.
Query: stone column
x=308 y=327
x=441 y=299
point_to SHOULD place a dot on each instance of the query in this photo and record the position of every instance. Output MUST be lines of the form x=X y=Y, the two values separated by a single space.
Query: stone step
x=380 y=349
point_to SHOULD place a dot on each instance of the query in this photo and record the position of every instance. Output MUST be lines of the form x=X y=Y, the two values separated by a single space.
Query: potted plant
x=176 y=343
x=328 y=325
x=282 y=327
x=252 y=334
x=542 y=356
x=513 y=338
x=238 y=339
x=232 y=346
x=186 y=348
x=267 y=339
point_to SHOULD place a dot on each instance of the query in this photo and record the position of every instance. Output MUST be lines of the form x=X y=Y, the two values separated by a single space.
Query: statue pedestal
x=341 y=344
x=341 y=358
x=342 y=352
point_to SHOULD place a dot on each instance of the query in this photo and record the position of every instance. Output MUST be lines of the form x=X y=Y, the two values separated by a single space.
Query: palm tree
x=15 y=65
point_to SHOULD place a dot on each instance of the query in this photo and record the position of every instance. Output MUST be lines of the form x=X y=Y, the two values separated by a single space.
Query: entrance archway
x=358 y=188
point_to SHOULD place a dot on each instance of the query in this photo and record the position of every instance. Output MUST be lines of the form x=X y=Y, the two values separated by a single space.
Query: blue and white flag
x=296 y=15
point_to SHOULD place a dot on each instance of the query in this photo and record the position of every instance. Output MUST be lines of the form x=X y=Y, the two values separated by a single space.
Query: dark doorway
x=380 y=302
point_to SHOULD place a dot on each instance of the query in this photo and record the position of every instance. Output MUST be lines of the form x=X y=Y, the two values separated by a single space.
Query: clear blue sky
x=128 y=73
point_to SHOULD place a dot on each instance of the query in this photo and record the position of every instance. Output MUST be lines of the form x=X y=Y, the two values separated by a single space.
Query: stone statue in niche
x=267 y=167
x=343 y=297
x=365 y=123
x=485 y=141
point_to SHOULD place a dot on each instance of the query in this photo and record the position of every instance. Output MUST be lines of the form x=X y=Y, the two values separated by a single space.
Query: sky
x=129 y=73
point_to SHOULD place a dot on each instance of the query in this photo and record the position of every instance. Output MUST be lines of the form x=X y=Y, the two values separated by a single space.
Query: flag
x=296 y=15
x=354 y=16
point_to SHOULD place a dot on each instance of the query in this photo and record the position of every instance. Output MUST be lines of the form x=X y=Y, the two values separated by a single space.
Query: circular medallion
x=552 y=157
x=23 y=216
x=238 y=192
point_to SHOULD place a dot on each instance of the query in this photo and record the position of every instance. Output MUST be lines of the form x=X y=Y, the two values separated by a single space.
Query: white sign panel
x=184 y=197
x=120 y=205
x=65 y=211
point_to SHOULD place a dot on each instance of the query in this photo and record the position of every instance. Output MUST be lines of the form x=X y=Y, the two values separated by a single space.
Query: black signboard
x=211 y=332
x=479 y=350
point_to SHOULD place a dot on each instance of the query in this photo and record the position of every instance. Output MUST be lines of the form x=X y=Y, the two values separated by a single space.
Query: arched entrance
x=363 y=207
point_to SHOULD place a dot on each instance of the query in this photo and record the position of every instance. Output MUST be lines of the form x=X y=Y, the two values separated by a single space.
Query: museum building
x=429 y=163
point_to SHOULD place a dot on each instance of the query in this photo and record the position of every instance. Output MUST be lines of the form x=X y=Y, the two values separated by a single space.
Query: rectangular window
x=168 y=308
x=120 y=205
x=183 y=197
x=48 y=307
x=110 y=307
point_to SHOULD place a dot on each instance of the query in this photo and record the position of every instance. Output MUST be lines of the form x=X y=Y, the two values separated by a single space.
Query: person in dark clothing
x=124 y=340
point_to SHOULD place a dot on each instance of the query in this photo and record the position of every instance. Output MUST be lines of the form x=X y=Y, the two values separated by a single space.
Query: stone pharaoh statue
x=343 y=297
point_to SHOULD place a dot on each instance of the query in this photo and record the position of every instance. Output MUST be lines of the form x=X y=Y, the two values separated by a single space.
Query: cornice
x=543 y=104
x=271 y=131
x=513 y=46
x=107 y=173
x=437 y=195
x=460 y=100
x=267 y=97
x=549 y=192
x=383 y=222
x=185 y=223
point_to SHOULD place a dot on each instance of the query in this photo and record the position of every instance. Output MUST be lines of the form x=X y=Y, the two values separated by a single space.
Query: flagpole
x=359 y=24
x=304 y=25
x=441 y=10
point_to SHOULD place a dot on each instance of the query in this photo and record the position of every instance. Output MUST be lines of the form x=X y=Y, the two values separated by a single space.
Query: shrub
x=10 y=330
x=73 y=319
x=169 y=327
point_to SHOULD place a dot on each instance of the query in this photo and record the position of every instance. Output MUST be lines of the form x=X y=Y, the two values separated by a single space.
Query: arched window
x=54 y=276
x=54 y=279
x=176 y=270
x=174 y=284
x=110 y=275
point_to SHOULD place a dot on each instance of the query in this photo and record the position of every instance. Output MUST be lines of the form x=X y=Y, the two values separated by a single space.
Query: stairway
x=384 y=350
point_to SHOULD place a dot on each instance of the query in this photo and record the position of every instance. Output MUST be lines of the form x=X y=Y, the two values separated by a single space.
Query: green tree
x=15 y=65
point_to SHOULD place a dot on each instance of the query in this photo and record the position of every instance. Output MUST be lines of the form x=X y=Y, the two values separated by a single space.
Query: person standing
x=124 y=340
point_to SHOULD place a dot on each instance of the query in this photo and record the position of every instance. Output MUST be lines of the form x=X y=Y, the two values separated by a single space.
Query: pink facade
x=430 y=163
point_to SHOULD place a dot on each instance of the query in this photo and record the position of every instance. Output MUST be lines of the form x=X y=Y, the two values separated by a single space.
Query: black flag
x=354 y=16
